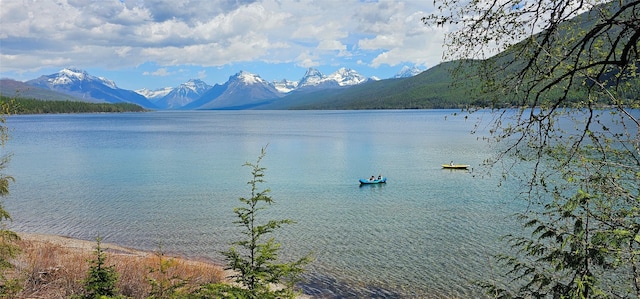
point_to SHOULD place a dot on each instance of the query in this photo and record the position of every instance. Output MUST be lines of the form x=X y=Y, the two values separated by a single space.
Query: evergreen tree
x=101 y=279
x=254 y=259
x=8 y=238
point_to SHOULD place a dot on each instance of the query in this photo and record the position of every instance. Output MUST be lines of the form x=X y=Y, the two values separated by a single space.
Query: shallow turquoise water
x=173 y=178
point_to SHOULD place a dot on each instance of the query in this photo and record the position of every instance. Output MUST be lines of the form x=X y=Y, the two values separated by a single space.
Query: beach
x=80 y=245
x=51 y=266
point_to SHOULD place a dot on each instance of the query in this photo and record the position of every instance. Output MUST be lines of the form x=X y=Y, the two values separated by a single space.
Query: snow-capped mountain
x=176 y=97
x=341 y=77
x=80 y=84
x=285 y=86
x=242 y=90
x=183 y=94
x=312 y=77
x=407 y=72
x=347 y=77
x=68 y=77
x=156 y=94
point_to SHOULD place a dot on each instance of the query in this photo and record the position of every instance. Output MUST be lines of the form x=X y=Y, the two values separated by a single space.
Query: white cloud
x=122 y=34
x=159 y=72
x=331 y=45
x=307 y=60
x=381 y=42
x=425 y=50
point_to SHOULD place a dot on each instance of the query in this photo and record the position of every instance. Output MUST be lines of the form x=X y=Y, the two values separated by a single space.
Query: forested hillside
x=33 y=106
x=465 y=83
x=432 y=89
x=448 y=85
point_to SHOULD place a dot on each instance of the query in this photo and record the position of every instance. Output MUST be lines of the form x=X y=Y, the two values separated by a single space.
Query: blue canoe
x=380 y=181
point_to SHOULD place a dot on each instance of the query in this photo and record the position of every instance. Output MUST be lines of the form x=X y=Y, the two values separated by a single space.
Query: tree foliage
x=547 y=47
x=164 y=284
x=101 y=279
x=8 y=247
x=580 y=151
x=253 y=259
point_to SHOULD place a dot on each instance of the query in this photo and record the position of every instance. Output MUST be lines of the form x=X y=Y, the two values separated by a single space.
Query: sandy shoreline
x=78 y=244
x=85 y=246
x=54 y=266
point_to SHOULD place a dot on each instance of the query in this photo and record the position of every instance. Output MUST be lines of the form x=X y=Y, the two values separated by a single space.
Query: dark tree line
x=33 y=106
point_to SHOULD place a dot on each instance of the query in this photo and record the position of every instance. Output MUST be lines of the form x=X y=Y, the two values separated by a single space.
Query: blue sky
x=157 y=43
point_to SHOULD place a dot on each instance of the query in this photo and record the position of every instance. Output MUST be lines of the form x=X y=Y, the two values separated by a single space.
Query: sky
x=162 y=43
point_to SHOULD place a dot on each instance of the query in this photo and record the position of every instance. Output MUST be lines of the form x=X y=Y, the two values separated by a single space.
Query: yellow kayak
x=455 y=166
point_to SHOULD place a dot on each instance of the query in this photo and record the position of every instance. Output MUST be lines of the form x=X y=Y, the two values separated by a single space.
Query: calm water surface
x=173 y=178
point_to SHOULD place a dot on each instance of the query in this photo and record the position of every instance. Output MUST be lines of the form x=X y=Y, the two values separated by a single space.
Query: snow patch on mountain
x=407 y=72
x=341 y=77
x=312 y=77
x=154 y=94
x=108 y=82
x=73 y=73
x=69 y=76
x=347 y=77
x=195 y=85
x=248 y=78
x=285 y=86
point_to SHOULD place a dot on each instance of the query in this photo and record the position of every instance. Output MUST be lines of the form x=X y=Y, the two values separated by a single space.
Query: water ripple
x=139 y=182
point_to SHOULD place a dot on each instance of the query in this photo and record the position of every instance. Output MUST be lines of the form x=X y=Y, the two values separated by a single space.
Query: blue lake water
x=173 y=178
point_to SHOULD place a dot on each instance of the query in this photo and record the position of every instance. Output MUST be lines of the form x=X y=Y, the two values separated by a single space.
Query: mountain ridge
x=242 y=91
x=82 y=85
x=183 y=94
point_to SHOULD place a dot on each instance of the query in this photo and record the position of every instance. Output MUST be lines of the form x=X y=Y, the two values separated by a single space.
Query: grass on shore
x=48 y=270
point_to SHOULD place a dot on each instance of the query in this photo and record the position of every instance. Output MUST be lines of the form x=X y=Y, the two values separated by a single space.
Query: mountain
x=431 y=89
x=243 y=90
x=407 y=72
x=347 y=77
x=312 y=77
x=339 y=78
x=285 y=86
x=13 y=88
x=156 y=94
x=183 y=94
x=80 y=84
x=460 y=84
x=436 y=87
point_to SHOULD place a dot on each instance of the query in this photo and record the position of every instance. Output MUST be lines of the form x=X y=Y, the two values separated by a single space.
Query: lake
x=172 y=178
